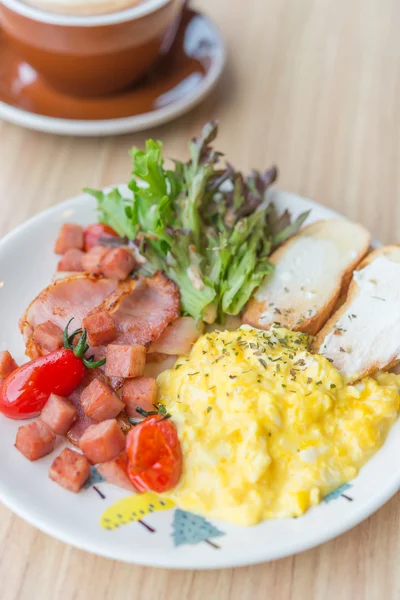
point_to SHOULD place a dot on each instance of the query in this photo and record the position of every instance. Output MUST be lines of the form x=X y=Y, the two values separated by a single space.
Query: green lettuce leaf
x=210 y=229
x=114 y=210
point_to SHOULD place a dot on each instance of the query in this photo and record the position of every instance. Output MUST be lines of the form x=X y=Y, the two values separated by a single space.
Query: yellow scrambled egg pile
x=268 y=429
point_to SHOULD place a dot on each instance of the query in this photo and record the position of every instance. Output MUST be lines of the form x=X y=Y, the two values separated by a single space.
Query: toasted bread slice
x=363 y=335
x=311 y=270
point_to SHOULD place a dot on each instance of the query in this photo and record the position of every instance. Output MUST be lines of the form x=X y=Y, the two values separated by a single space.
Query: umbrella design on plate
x=339 y=492
x=133 y=509
x=189 y=528
x=93 y=480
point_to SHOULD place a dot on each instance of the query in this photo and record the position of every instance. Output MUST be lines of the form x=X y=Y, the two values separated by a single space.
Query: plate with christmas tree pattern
x=145 y=528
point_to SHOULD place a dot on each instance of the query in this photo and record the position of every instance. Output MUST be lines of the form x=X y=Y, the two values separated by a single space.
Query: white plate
x=26 y=266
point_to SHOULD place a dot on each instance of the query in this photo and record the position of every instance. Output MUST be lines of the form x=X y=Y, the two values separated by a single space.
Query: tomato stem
x=160 y=410
x=71 y=337
x=81 y=347
x=93 y=365
x=146 y=413
x=68 y=339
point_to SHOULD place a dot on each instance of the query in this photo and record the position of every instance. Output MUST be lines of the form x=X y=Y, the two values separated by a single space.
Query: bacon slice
x=178 y=338
x=141 y=316
x=157 y=363
x=7 y=364
x=65 y=298
x=141 y=309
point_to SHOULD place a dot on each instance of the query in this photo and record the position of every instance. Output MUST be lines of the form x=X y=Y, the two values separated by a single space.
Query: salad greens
x=208 y=228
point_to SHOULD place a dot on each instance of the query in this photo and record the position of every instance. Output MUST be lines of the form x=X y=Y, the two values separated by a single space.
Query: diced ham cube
x=92 y=259
x=142 y=392
x=100 y=402
x=70 y=236
x=100 y=328
x=7 y=364
x=79 y=427
x=118 y=263
x=48 y=337
x=71 y=260
x=125 y=361
x=103 y=442
x=59 y=414
x=82 y=421
x=116 y=472
x=35 y=440
x=70 y=470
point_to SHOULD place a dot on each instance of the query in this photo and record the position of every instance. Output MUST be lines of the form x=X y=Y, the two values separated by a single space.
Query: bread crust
x=390 y=251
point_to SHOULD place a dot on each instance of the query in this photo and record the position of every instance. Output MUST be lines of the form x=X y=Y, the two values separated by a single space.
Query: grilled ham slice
x=142 y=315
x=179 y=337
x=141 y=309
x=63 y=299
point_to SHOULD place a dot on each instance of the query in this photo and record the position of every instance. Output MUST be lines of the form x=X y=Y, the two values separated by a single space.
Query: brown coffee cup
x=91 y=55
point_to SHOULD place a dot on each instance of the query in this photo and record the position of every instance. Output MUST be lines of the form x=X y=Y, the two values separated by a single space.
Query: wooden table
x=314 y=86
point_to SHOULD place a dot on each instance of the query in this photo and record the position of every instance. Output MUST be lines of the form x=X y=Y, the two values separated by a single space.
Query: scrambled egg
x=268 y=429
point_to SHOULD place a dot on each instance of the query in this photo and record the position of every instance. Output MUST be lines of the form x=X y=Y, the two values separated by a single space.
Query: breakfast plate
x=145 y=529
x=180 y=81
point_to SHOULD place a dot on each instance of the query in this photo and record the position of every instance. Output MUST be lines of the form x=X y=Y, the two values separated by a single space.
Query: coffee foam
x=83 y=7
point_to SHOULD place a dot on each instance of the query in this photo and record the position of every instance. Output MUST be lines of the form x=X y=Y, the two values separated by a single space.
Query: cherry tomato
x=93 y=234
x=154 y=455
x=26 y=390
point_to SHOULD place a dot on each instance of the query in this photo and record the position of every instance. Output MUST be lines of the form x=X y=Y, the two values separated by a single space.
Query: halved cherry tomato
x=26 y=390
x=154 y=455
x=95 y=232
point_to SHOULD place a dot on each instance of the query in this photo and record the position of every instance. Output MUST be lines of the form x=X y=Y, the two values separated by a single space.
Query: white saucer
x=200 y=40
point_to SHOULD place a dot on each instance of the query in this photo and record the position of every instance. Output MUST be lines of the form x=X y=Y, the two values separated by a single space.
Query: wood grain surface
x=314 y=86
